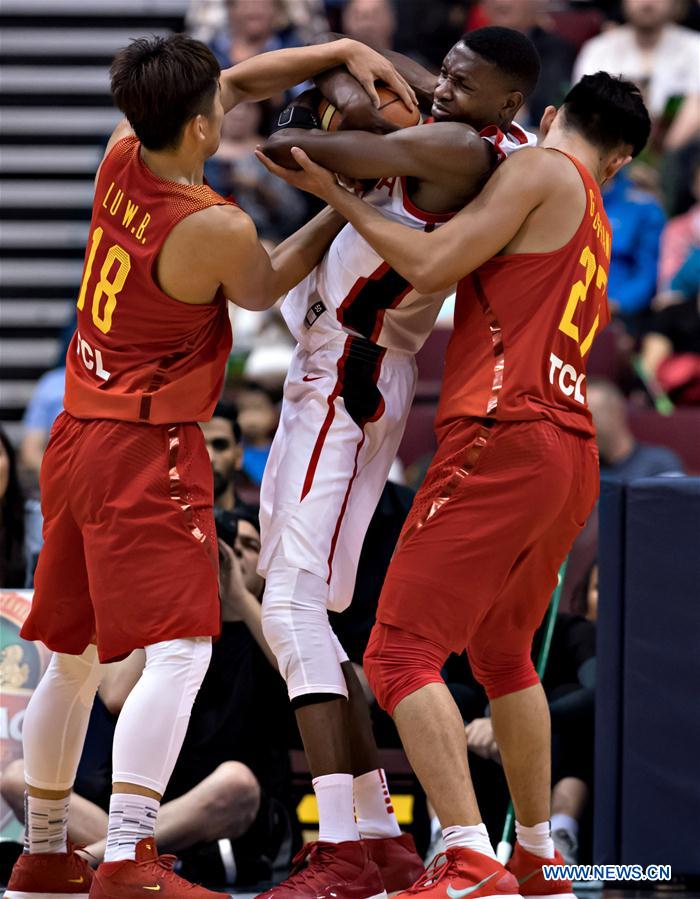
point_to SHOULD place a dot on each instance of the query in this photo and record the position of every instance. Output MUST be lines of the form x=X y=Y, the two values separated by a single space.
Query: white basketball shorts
x=343 y=416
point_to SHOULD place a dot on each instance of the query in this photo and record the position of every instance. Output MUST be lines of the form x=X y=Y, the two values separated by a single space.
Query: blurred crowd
x=234 y=783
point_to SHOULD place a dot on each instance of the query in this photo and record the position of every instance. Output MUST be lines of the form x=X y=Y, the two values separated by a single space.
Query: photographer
x=225 y=811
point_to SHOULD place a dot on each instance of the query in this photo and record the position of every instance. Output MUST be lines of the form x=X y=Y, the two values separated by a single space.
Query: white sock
x=374 y=810
x=536 y=839
x=474 y=836
x=336 y=817
x=131 y=818
x=46 y=824
x=565 y=822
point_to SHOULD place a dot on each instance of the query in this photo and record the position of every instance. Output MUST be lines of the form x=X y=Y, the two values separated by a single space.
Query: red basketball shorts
x=478 y=557
x=129 y=556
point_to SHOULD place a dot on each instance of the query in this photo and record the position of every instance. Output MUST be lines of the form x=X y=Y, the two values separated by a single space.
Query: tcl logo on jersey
x=569 y=381
x=91 y=358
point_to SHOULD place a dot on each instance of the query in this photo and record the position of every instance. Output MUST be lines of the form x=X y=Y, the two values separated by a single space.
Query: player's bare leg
x=364 y=753
x=323 y=728
x=522 y=729
x=432 y=733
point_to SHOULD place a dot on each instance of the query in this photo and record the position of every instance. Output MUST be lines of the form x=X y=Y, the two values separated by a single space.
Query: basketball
x=391 y=108
x=394 y=111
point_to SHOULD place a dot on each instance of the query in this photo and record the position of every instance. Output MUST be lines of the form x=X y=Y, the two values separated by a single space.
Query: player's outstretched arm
x=271 y=73
x=433 y=261
x=464 y=157
x=255 y=280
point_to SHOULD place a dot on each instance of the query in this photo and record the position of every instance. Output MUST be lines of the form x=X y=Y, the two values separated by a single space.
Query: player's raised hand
x=312 y=178
x=368 y=66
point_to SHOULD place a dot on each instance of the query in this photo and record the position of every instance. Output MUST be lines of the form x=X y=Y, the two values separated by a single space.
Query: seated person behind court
x=621 y=455
x=231 y=779
x=224 y=441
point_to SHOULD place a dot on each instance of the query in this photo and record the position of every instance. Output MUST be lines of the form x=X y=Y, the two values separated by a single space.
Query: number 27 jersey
x=524 y=326
x=138 y=354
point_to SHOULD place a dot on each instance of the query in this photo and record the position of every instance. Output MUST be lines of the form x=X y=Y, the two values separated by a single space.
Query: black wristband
x=297 y=117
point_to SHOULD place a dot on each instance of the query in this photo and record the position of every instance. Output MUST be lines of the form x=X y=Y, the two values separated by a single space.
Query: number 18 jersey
x=524 y=325
x=138 y=354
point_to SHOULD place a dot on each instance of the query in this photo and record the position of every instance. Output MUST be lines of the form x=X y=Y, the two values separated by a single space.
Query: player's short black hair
x=229 y=411
x=510 y=50
x=608 y=111
x=161 y=83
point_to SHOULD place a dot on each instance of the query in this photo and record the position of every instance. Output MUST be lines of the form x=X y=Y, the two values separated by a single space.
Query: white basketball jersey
x=354 y=290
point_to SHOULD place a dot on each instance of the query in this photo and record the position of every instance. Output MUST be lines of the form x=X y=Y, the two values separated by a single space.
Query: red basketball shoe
x=397 y=860
x=50 y=875
x=460 y=872
x=331 y=871
x=527 y=869
x=149 y=872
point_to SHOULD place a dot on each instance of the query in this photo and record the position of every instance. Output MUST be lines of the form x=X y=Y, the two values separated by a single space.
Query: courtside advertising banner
x=21 y=667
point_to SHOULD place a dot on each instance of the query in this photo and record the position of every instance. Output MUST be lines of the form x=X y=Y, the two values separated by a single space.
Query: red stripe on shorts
x=176 y=484
x=328 y=421
x=377 y=415
x=451 y=484
x=496 y=343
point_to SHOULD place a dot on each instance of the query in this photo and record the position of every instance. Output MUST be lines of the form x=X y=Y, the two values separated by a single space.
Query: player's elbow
x=427 y=278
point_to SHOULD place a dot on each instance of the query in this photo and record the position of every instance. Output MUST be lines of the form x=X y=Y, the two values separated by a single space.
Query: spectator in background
x=658 y=55
x=205 y=19
x=686 y=125
x=637 y=221
x=222 y=435
x=208 y=18
x=276 y=208
x=678 y=238
x=371 y=21
x=620 y=454
x=258 y=416
x=308 y=18
x=254 y=26
x=13 y=555
x=557 y=55
x=231 y=781
x=670 y=354
x=681 y=153
x=424 y=30
x=44 y=407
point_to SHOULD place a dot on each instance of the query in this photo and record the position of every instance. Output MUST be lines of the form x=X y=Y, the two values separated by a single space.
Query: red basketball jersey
x=138 y=354
x=524 y=325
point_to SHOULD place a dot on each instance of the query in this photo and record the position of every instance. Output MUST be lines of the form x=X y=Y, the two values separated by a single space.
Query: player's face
x=247 y=548
x=471 y=90
x=225 y=454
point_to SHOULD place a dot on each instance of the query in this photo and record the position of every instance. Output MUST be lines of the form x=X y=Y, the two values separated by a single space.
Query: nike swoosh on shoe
x=461 y=894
